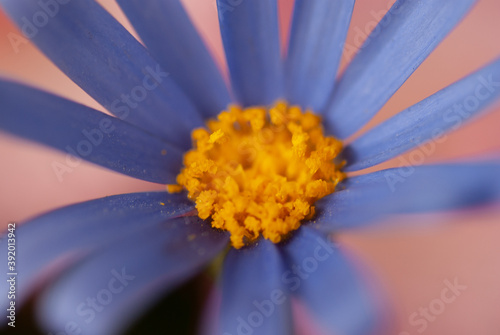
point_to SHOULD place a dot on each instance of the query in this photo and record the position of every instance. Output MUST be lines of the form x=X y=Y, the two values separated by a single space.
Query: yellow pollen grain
x=173 y=189
x=258 y=171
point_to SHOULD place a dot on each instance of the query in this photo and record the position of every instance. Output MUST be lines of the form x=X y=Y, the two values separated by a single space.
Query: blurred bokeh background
x=410 y=264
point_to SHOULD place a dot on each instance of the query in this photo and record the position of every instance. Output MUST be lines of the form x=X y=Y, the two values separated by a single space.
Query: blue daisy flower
x=117 y=256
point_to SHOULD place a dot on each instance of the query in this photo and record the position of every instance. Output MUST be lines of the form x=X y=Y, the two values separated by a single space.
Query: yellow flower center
x=257 y=171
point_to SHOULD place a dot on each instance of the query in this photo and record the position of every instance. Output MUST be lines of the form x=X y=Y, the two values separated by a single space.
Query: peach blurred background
x=411 y=264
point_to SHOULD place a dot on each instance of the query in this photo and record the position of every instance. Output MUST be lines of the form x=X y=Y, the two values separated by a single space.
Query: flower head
x=256 y=172
x=265 y=183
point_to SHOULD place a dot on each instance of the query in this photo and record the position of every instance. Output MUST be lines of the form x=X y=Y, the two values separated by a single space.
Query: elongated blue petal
x=322 y=278
x=402 y=40
x=129 y=276
x=409 y=190
x=254 y=299
x=81 y=228
x=319 y=29
x=101 y=56
x=167 y=32
x=85 y=133
x=250 y=35
x=428 y=120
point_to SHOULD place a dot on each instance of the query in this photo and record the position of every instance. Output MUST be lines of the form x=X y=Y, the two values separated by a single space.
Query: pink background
x=411 y=264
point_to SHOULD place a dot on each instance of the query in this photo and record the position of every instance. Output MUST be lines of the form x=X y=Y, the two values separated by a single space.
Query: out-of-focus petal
x=427 y=120
x=410 y=189
x=319 y=29
x=250 y=35
x=101 y=56
x=401 y=41
x=322 y=278
x=84 y=133
x=81 y=228
x=209 y=322
x=129 y=276
x=254 y=299
x=169 y=35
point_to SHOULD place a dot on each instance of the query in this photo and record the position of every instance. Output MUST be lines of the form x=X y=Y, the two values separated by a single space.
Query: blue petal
x=87 y=134
x=250 y=35
x=409 y=190
x=254 y=298
x=319 y=29
x=167 y=32
x=322 y=278
x=81 y=228
x=402 y=40
x=101 y=56
x=429 y=119
x=129 y=276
